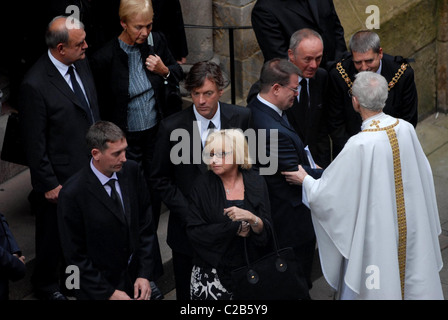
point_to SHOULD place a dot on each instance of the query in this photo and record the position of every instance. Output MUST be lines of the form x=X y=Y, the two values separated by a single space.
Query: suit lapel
x=94 y=186
x=226 y=117
x=195 y=141
x=88 y=85
x=273 y=114
x=313 y=96
x=59 y=82
x=293 y=134
x=124 y=186
x=386 y=70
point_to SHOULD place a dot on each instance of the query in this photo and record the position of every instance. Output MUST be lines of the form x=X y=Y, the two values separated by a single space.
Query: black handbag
x=13 y=149
x=173 y=98
x=275 y=276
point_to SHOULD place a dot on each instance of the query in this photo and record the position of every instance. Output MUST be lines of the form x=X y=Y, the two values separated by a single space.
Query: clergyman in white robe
x=354 y=213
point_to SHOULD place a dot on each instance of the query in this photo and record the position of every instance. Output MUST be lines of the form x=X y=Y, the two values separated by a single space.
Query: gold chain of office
x=349 y=82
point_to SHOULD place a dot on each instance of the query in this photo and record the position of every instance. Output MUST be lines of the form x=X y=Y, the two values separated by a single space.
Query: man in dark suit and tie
x=292 y=219
x=274 y=21
x=57 y=104
x=308 y=114
x=178 y=157
x=105 y=221
x=367 y=55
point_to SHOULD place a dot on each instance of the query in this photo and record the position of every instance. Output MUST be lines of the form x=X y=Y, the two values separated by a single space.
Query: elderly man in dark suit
x=367 y=55
x=57 y=104
x=308 y=114
x=105 y=221
x=292 y=220
x=274 y=21
x=178 y=157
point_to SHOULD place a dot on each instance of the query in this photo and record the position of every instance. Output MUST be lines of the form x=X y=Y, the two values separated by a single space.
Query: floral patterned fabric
x=205 y=285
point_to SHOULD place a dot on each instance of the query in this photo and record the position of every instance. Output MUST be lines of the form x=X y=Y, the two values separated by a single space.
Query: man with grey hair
x=374 y=209
x=57 y=104
x=367 y=55
x=308 y=114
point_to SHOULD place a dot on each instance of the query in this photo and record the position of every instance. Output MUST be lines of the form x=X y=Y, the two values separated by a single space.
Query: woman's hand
x=248 y=218
x=238 y=214
x=244 y=229
x=155 y=64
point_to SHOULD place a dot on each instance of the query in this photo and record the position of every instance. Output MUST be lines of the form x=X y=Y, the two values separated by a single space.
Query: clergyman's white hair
x=371 y=89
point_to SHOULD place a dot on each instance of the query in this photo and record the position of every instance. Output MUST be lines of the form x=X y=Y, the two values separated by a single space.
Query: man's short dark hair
x=102 y=132
x=204 y=70
x=276 y=71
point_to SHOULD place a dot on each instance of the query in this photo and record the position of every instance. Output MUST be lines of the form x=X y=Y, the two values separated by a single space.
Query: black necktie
x=79 y=94
x=211 y=127
x=304 y=101
x=114 y=194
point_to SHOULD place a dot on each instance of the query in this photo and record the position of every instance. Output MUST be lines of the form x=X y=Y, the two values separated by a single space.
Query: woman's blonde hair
x=229 y=140
x=131 y=8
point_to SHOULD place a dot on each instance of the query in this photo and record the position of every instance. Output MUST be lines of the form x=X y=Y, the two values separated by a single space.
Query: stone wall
x=407 y=28
x=224 y=13
x=416 y=29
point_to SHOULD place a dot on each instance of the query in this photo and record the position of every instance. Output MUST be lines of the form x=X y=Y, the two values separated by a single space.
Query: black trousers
x=141 y=149
x=305 y=257
x=49 y=267
x=182 y=267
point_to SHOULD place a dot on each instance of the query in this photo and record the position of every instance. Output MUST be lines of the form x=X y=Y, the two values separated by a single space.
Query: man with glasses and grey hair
x=367 y=55
x=374 y=209
x=308 y=114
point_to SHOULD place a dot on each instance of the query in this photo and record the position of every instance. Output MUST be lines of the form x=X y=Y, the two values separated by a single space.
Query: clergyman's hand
x=295 y=177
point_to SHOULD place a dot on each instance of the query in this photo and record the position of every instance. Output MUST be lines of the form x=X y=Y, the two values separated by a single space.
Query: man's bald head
x=65 y=37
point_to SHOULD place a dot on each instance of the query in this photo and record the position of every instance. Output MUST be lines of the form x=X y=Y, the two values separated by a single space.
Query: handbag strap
x=274 y=238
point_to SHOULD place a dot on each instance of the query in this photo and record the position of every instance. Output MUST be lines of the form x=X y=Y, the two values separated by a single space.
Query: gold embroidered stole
x=399 y=198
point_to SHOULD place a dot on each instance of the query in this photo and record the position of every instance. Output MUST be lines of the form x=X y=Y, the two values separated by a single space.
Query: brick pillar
x=200 y=41
x=247 y=54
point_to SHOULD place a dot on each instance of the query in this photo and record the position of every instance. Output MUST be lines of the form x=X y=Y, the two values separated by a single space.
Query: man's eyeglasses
x=295 y=90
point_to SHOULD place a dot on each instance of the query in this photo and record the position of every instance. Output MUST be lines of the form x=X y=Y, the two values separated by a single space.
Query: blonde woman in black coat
x=227 y=204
